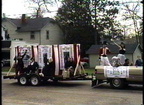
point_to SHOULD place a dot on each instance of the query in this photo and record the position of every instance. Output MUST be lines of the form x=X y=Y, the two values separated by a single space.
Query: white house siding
x=130 y=57
x=133 y=57
x=3 y=33
x=11 y=29
x=93 y=60
x=137 y=52
x=26 y=37
x=55 y=34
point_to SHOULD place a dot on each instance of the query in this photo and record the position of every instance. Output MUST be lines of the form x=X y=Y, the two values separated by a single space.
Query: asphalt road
x=69 y=93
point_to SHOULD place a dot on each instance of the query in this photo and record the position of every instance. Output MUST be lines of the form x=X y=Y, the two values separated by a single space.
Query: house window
x=47 y=34
x=32 y=35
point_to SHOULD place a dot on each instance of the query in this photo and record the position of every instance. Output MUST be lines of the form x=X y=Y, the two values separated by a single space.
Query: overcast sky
x=14 y=8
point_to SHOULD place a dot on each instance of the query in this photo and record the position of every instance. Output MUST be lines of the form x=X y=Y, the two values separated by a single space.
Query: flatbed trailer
x=118 y=77
x=36 y=79
x=57 y=53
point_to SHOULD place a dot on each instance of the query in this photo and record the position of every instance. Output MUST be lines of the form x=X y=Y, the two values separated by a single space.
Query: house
x=38 y=30
x=132 y=51
x=2 y=32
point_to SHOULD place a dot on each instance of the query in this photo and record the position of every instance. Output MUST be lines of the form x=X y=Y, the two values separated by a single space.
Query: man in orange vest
x=103 y=52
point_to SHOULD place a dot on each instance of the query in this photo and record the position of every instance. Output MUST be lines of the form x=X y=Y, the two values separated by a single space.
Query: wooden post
x=82 y=68
x=10 y=69
x=77 y=66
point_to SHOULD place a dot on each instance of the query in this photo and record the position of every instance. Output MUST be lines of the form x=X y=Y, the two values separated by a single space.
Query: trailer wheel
x=23 y=80
x=117 y=83
x=35 y=80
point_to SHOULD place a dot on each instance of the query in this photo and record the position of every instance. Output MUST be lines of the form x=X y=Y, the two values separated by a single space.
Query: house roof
x=30 y=24
x=130 y=48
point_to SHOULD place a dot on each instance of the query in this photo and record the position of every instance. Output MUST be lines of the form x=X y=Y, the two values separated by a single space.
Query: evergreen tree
x=75 y=18
x=84 y=21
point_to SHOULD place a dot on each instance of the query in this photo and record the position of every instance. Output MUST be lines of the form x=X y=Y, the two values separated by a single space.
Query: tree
x=74 y=17
x=83 y=21
x=39 y=7
x=132 y=14
x=103 y=13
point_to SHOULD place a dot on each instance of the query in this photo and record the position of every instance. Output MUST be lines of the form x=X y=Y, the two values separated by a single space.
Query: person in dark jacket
x=19 y=65
x=139 y=61
x=33 y=66
x=46 y=68
x=70 y=65
x=127 y=63
x=45 y=59
x=51 y=67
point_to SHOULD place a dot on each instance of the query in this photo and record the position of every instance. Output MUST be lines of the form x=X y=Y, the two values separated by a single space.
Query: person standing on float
x=103 y=52
x=122 y=51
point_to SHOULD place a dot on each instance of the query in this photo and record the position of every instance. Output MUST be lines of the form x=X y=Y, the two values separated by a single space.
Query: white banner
x=44 y=51
x=28 y=55
x=65 y=51
x=116 y=72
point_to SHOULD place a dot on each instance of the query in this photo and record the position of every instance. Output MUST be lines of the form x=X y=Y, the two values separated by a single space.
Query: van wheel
x=23 y=80
x=35 y=80
x=117 y=83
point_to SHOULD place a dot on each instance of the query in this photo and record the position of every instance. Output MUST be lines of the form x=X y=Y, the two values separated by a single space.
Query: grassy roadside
x=6 y=69
x=87 y=70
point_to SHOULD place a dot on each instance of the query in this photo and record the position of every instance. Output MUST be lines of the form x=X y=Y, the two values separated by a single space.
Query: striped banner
x=56 y=55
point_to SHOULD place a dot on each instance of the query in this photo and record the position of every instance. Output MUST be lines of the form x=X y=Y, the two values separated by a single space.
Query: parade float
x=58 y=53
x=118 y=77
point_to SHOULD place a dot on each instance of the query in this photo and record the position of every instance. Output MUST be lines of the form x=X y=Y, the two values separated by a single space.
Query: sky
x=15 y=8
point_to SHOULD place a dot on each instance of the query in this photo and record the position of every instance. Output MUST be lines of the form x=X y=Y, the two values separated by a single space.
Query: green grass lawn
x=6 y=69
x=89 y=71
